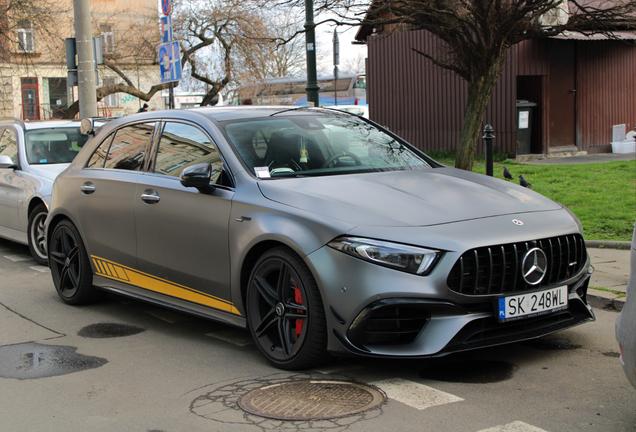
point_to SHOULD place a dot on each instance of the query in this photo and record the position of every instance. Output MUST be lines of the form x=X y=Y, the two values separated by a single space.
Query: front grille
x=497 y=269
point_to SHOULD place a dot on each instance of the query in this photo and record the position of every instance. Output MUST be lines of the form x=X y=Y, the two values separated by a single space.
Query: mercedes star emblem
x=534 y=266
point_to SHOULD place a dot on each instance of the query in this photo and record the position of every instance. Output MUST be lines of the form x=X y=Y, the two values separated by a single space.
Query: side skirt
x=168 y=302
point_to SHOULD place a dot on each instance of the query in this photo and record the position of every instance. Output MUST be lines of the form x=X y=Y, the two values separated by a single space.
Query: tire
x=37 y=235
x=285 y=313
x=70 y=268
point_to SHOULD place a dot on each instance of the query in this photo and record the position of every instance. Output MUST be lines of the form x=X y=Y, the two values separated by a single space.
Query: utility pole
x=310 y=39
x=86 y=75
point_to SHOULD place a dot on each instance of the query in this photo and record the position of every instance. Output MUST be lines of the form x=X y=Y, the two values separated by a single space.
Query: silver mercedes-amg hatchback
x=321 y=232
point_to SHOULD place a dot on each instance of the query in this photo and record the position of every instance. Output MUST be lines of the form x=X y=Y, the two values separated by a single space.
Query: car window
x=53 y=145
x=326 y=144
x=99 y=155
x=9 y=144
x=127 y=149
x=182 y=145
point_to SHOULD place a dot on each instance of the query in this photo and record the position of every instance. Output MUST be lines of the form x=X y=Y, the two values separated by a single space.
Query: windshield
x=322 y=144
x=54 y=145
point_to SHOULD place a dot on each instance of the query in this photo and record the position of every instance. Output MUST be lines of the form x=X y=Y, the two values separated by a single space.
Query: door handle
x=87 y=188
x=150 y=196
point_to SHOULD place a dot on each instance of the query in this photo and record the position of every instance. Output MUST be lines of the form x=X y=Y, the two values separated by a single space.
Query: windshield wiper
x=289 y=109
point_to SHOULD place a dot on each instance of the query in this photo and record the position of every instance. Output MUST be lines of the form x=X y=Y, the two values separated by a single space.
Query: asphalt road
x=121 y=365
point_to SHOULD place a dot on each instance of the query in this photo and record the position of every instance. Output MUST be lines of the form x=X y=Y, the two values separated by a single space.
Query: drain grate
x=310 y=400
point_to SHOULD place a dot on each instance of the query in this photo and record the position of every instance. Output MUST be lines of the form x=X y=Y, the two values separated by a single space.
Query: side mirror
x=87 y=126
x=6 y=162
x=198 y=176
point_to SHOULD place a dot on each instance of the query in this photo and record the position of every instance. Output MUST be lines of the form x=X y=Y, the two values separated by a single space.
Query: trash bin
x=525 y=113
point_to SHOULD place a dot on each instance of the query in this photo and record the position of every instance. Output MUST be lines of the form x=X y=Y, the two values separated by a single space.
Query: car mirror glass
x=6 y=162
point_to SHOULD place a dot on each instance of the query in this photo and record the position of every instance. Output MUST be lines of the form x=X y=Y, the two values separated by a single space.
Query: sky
x=346 y=35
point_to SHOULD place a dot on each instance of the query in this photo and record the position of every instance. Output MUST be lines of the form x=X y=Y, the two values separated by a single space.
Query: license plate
x=532 y=304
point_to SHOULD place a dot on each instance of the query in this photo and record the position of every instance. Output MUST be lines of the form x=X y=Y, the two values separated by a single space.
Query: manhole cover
x=310 y=400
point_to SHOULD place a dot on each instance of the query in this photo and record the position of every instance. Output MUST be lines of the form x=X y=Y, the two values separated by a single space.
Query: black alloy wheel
x=285 y=312
x=37 y=235
x=70 y=268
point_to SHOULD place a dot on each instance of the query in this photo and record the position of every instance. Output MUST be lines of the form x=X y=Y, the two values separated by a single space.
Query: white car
x=32 y=154
x=626 y=321
x=359 y=110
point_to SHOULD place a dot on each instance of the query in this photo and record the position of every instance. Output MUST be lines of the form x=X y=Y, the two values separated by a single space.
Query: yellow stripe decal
x=102 y=268
x=111 y=270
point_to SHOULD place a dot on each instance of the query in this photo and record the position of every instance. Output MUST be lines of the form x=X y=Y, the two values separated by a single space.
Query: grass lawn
x=601 y=195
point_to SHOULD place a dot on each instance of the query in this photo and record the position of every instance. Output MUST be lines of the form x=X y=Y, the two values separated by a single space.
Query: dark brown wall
x=606 y=90
x=425 y=104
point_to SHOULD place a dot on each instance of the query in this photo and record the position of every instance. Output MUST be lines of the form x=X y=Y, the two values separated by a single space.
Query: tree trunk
x=479 y=92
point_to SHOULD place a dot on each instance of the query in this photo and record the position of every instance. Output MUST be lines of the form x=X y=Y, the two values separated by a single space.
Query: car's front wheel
x=37 y=237
x=70 y=268
x=285 y=311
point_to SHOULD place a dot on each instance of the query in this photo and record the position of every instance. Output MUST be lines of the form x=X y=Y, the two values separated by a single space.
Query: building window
x=108 y=38
x=25 y=36
x=113 y=99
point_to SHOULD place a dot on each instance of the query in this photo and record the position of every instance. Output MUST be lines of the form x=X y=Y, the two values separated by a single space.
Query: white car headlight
x=410 y=259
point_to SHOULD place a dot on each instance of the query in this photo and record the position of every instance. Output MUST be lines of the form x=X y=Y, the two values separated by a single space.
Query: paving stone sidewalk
x=611 y=271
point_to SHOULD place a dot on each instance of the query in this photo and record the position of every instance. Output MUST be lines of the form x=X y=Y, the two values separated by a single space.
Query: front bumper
x=415 y=328
x=378 y=312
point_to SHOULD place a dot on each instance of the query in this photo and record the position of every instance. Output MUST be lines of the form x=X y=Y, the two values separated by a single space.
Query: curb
x=605 y=300
x=602 y=299
x=601 y=244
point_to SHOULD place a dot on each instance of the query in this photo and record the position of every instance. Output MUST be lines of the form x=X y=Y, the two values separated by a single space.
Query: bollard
x=488 y=137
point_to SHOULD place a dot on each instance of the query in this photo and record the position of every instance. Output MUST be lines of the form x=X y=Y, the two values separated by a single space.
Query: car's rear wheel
x=285 y=311
x=70 y=268
x=37 y=237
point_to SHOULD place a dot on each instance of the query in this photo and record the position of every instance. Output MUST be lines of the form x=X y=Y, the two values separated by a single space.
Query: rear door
x=182 y=234
x=105 y=197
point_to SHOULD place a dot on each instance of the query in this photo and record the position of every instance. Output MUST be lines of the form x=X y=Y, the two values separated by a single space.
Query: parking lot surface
x=125 y=365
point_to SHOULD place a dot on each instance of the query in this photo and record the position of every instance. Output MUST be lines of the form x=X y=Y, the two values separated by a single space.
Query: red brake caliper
x=299 y=300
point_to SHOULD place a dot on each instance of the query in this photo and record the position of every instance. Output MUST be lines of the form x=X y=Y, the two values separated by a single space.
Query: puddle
x=471 y=372
x=551 y=344
x=32 y=361
x=108 y=330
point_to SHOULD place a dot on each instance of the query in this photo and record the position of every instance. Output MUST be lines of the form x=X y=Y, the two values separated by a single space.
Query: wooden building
x=555 y=95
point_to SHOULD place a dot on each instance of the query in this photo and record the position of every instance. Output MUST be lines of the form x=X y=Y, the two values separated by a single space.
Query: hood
x=406 y=198
x=48 y=172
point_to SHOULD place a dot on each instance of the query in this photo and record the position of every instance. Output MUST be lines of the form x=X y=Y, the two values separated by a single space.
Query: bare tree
x=354 y=64
x=476 y=36
x=216 y=38
x=132 y=48
x=269 y=59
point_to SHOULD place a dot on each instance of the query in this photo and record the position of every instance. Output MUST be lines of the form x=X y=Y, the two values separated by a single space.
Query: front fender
x=252 y=230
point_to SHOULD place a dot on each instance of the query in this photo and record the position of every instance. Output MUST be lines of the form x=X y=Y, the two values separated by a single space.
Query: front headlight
x=410 y=259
